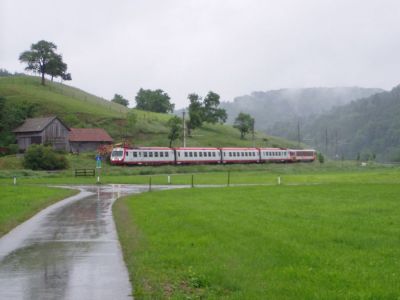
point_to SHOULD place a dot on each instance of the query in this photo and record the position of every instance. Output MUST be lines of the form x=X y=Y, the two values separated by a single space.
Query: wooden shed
x=50 y=130
x=88 y=139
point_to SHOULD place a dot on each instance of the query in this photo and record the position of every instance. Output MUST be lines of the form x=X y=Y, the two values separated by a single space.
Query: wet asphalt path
x=68 y=251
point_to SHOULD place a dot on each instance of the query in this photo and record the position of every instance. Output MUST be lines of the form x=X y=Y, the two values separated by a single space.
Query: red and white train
x=199 y=155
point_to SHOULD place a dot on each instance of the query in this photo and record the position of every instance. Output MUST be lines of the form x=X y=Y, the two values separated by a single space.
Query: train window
x=155 y=154
x=213 y=154
x=179 y=154
x=134 y=154
x=209 y=154
x=145 y=154
x=150 y=154
x=195 y=154
x=242 y=153
x=166 y=154
x=224 y=153
x=161 y=154
x=200 y=154
x=205 y=154
x=190 y=154
x=230 y=154
x=186 y=154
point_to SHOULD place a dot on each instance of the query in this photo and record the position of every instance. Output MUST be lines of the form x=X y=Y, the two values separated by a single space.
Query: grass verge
x=281 y=242
x=19 y=203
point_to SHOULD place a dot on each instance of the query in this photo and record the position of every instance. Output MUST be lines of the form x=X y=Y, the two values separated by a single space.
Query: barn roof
x=89 y=135
x=36 y=124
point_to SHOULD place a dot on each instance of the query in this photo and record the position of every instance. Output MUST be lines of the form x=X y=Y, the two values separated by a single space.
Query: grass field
x=331 y=241
x=19 y=203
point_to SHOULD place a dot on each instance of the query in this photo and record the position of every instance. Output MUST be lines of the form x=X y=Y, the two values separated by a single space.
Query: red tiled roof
x=89 y=135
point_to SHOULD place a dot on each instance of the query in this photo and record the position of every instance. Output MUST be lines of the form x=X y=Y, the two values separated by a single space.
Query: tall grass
x=284 y=242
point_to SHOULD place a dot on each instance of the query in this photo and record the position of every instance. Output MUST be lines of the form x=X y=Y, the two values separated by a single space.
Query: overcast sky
x=232 y=47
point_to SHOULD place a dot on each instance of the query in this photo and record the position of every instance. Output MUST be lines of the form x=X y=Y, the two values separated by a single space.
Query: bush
x=320 y=157
x=39 y=157
x=12 y=149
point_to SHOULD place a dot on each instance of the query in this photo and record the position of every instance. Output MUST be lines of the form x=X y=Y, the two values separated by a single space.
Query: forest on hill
x=286 y=105
x=366 y=129
x=343 y=123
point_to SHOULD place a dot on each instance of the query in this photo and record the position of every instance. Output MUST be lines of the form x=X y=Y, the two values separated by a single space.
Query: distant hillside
x=367 y=128
x=286 y=105
x=80 y=109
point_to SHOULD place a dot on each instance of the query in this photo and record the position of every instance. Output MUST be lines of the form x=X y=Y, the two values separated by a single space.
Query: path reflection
x=70 y=253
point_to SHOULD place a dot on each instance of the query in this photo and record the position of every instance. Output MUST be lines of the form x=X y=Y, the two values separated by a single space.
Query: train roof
x=196 y=148
x=144 y=148
x=238 y=148
x=277 y=149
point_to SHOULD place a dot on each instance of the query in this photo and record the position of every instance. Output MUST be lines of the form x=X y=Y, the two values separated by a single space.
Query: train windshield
x=117 y=153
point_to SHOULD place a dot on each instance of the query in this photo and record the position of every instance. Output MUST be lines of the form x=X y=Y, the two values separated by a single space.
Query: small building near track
x=87 y=139
x=49 y=130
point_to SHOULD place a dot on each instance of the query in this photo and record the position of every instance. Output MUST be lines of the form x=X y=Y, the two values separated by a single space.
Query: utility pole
x=184 y=129
x=298 y=134
x=252 y=129
x=336 y=145
x=326 y=141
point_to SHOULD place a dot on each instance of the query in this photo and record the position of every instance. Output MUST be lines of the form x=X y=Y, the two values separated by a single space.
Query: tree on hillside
x=11 y=115
x=196 y=112
x=4 y=73
x=120 y=100
x=205 y=111
x=175 y=129
x=57 y=68
x=156 y=101
x=213 y=114
x=245 y=123
x=43 y=59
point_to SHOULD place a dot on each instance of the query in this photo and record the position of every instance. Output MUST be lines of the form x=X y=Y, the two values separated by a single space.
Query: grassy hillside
x=80 y=109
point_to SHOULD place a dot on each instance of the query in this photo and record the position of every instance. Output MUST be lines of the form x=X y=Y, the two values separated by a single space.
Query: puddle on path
x=69 y=251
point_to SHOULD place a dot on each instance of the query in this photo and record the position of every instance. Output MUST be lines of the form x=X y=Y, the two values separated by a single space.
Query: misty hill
x=78 y=108
x=366 y=128
x=289 y=104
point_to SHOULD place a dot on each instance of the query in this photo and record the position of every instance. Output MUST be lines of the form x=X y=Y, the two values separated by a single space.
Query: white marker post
x=15 y=180
x=98 y=167
x=279 y=180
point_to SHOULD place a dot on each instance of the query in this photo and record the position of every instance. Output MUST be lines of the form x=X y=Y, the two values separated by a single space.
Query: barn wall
x=77 y=147
x=57 y=135
x=24 y=140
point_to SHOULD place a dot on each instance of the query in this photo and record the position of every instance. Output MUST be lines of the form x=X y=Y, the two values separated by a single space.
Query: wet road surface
x=68 y=251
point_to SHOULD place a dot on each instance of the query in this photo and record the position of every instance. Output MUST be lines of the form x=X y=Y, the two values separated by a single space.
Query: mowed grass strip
x=278 y=242
x=216 y=177
x=19 y=203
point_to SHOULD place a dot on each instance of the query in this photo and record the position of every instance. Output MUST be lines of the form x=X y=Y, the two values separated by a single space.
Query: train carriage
x=190 y=155
x=274 y=155
x=143 y=156
x=240 y=155
x=303 y=155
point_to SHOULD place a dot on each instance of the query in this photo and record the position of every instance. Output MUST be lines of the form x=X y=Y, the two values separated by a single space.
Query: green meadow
x=326 y=241
x=19 y=203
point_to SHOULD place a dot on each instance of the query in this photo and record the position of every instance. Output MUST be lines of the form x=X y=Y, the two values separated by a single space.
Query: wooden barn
x=87 y=139
x=50 y=130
